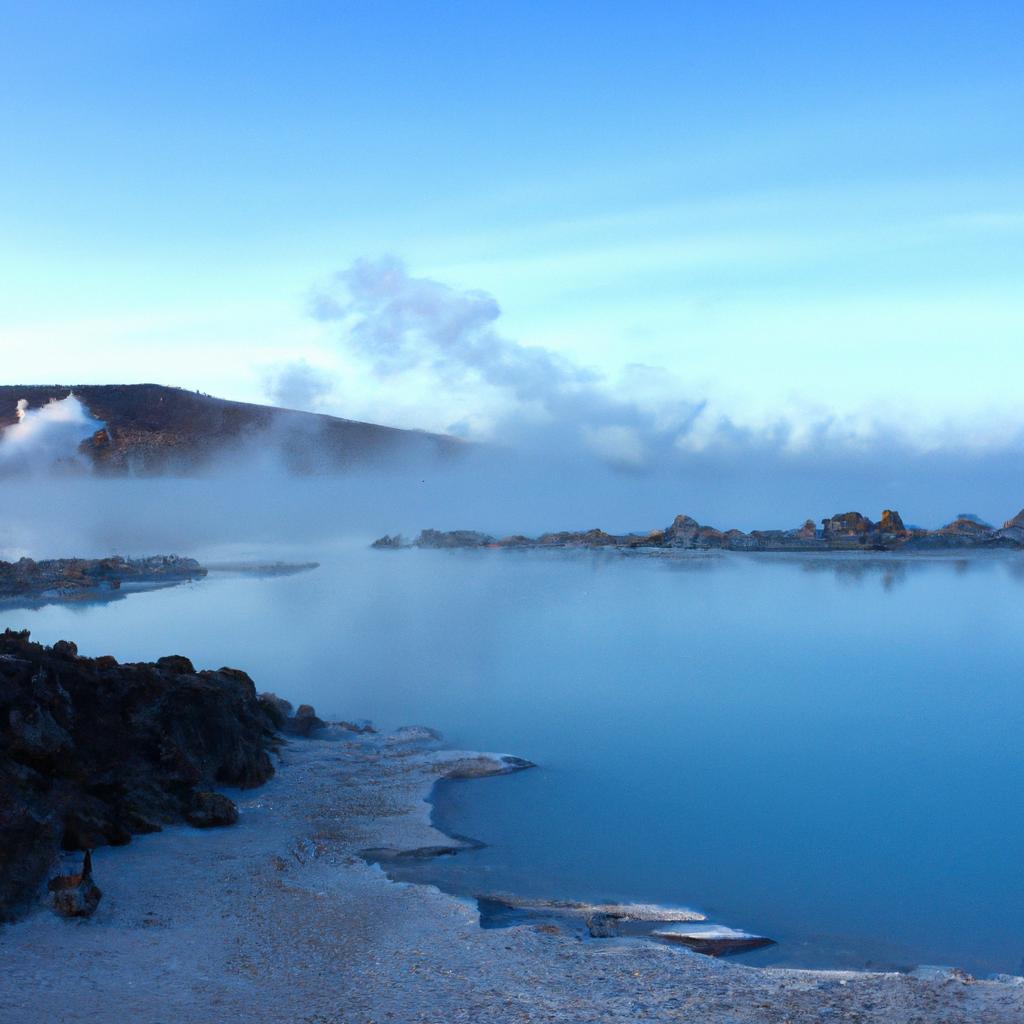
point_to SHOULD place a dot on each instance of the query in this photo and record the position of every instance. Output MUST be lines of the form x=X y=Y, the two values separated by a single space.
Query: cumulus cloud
x=297 y=385
x=400 y=324
x=427 y=333
x=46 y=438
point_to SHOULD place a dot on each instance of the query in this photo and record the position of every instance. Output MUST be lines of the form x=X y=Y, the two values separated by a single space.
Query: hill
x=151 y=429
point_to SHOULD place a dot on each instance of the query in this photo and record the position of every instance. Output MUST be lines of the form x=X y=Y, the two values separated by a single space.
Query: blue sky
x=796 y=210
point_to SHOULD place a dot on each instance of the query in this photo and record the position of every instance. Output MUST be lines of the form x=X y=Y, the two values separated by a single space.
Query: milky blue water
x=825 y=750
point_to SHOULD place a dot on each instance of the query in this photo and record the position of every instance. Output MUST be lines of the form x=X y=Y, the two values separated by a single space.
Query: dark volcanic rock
x=76 y=895
x=387 y=542
x=846 y=531
x=961 y=533
x=850 y=525
x=304 y=722
x=453 y=539
x=278 y=708
x=1013 y=530
x=210 y=810
x=892 y=522
x=688 y=533
x=92 y=752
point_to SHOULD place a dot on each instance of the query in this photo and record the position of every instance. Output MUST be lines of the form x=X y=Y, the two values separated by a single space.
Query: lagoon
x=823 y=749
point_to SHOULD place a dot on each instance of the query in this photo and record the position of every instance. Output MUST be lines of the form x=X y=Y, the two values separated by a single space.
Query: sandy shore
x=280 y=920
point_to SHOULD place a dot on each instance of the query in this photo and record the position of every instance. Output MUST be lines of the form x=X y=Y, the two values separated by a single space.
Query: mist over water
x=821 y=749
x=250 y=501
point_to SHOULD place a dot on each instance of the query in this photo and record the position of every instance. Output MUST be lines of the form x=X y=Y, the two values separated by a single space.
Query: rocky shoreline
x=93 y=752
x=846 y=531
x=68 y=579
x=280 y=920
x=287 y=916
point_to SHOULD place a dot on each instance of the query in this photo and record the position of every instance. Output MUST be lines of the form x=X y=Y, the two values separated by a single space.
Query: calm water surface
x=824 y=750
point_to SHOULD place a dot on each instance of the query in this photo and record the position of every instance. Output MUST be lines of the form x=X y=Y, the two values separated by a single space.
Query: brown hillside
x=153 y=429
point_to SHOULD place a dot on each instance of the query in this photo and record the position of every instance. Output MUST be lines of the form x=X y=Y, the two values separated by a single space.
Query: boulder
x=304 y=722
x=808 y=531
x=211 y=810
x=76 y=895
x=1013 y=530
x=65 y=649
x=968 y=528
x=276 y=707
x=847 y=525
x=176 y=663
x=891 y=522
x=686 y=532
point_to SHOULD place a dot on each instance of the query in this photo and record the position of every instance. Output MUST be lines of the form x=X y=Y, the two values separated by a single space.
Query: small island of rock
x=845 y=531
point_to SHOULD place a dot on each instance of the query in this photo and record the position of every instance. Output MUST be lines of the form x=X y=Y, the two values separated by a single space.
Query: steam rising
x=47 y=438
x=566 y=434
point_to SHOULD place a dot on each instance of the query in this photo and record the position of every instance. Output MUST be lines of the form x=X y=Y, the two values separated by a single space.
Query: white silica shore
x=279 y=920
x=706 y=931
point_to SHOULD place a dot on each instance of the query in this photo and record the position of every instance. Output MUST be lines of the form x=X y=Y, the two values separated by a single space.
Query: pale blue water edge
x=825 y=750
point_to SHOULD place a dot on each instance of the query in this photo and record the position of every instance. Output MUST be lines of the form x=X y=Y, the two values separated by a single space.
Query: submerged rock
x=601 y=920
x=483 y=765
x=713 y=940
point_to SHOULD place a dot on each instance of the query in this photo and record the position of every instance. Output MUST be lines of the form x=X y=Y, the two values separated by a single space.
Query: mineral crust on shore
x=280 y=920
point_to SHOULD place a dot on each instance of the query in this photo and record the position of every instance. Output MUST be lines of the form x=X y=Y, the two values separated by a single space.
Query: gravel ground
x=279 y=920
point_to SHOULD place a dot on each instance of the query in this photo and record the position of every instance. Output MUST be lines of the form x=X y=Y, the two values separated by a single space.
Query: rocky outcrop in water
x=1013 y=529
x=70 y=578
x=93 y=752
x=453 y=539
x=845 y=531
